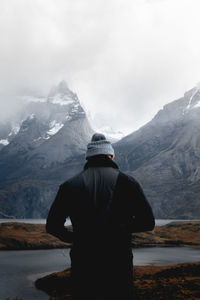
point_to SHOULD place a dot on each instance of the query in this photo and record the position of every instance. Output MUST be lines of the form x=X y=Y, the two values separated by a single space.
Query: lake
x=159 y=222
x=19 y=269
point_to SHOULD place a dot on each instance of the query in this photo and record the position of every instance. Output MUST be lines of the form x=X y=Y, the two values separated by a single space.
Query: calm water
x=19 y=269
x=30 y=221
x=159 y=222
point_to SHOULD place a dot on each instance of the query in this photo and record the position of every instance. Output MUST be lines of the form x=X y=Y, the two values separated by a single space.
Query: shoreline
x=24 y=236
x=180 y=281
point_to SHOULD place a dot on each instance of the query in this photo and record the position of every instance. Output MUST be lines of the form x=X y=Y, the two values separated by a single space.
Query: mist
x=124 y=59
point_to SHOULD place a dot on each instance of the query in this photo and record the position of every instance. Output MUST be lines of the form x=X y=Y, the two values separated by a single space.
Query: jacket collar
x=100 y=161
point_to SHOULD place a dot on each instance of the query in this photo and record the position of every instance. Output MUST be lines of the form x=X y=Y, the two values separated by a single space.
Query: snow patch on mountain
x=42 y=117
x=68 y=117
x=197 y=105
x=15 y=130
x=191 y=98
x=4 y=142
x=54 y=127
x=39 y=138
x=31 y=117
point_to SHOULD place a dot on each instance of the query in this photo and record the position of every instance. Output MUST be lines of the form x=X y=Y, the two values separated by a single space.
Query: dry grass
x=177 y=282
x=33 y=236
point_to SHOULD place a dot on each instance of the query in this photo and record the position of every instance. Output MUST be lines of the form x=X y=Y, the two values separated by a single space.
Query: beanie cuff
x=101 y=147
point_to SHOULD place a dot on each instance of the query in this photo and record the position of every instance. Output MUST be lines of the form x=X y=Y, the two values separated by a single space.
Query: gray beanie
x=99 y=145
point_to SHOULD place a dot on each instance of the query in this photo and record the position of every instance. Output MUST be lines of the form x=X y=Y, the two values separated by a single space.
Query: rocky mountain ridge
x=164 y=156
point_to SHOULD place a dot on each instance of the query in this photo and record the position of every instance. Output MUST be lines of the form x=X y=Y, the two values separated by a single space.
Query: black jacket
x=105 y=206
x=100 y=199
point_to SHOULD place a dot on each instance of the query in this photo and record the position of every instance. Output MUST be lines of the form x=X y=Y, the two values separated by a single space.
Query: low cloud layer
x=125 y=59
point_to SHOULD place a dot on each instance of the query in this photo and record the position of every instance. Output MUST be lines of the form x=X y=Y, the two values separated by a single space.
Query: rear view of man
x=105 y=206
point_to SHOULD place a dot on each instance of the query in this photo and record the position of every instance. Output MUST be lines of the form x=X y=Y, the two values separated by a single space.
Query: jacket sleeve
x=58 y=213
x=142 y=215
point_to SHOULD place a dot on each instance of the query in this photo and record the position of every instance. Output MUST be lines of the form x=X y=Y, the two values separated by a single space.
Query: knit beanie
x=99 y=145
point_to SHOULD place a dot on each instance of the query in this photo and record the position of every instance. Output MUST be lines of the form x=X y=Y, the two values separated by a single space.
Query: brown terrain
x=180 y=281
x=18 y=236
x=22 y=236
x=185 y=233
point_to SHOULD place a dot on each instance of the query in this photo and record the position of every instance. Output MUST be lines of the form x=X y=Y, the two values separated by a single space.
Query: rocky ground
x=18 y=236
x=178 y=282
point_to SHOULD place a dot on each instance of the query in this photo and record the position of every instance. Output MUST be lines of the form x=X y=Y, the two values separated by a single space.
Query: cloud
x=125 y=59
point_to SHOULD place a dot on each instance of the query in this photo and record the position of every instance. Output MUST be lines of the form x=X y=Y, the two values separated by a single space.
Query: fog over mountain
x=39 y=121
x=125 y=59
x=45 y=144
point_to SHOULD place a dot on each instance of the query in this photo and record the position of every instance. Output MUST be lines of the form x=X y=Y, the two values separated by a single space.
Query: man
x=105 y=206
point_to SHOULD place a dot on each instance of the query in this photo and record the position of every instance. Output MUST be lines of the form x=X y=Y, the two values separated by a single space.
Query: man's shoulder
x=127 y=178
x=72 y=181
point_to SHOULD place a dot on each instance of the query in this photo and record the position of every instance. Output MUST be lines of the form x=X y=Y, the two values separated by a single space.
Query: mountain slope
x=164 y=155
x=40 y=156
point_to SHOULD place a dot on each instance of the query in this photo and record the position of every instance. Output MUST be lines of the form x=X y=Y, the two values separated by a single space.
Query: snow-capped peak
x=43 y=116
x=62 y=95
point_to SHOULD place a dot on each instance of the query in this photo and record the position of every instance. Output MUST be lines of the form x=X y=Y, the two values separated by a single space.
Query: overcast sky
x=124 y=58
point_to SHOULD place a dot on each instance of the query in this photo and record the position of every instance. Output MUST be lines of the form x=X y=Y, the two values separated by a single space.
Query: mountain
x=40 y=151
x=164 y=155
x=45 y=145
